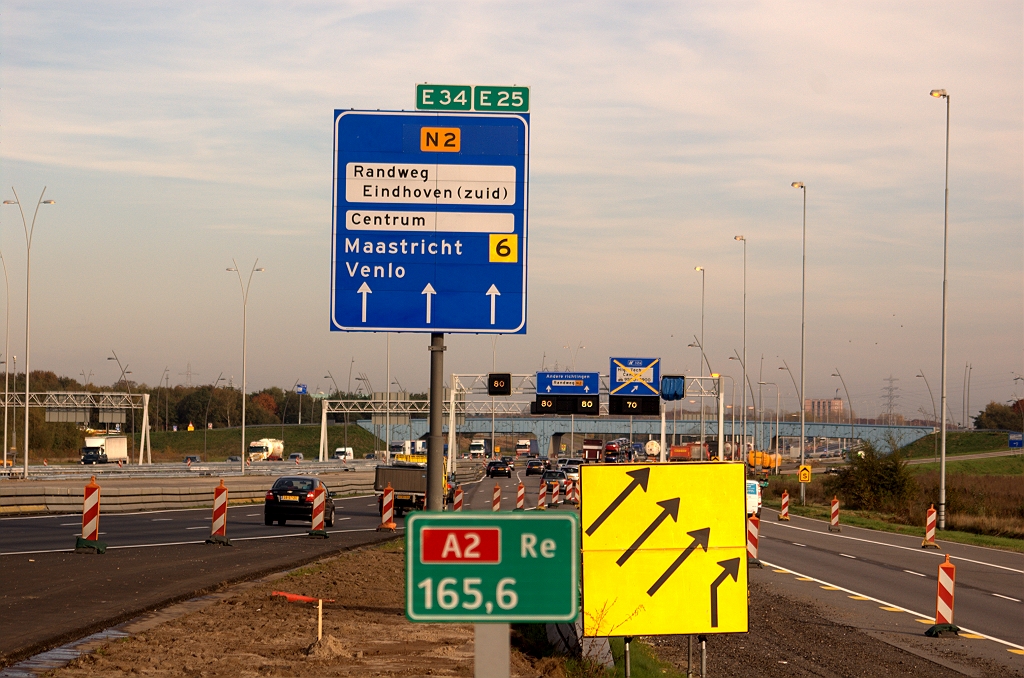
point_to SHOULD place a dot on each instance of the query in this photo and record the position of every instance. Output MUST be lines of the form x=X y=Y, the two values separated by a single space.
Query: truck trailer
x=105 y=450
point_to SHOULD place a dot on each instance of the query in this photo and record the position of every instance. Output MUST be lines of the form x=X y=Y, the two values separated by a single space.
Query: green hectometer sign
x=492 y=567
x=486 y=98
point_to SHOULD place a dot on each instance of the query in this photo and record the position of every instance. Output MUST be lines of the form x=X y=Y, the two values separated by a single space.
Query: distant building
x=824 y=408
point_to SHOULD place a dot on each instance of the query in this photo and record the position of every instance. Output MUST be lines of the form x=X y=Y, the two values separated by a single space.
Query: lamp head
x=10 y=202
x=698 y=268
x=232 y=269
x=939 y=93
x=732 y=357
x=260 y=270
x=739 y=237
x=715 y=375
x=798 y=184
x=835 y=375
x=49 y=202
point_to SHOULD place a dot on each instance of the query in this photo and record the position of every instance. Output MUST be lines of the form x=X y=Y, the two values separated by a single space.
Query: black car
x=534 y=467
x=498 y=468
x=291 y=498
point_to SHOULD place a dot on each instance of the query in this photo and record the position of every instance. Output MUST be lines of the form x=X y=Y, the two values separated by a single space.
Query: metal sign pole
x=435 y=442
x=721 y=418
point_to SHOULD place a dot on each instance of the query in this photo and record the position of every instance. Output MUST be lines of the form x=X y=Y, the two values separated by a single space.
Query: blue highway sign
x=430 y=222
x=300 y=389
x=1017 y=440
x=635 y=376
x=567 y=383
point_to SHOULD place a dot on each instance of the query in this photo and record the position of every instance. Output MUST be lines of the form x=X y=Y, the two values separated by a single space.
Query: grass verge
x=994 y=466
x=644 y=663
x=886 y=523
x=958 y=442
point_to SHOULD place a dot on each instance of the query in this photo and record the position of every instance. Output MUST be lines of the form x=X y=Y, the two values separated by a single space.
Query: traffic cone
x=387 y=521
x=929 y=529
x=944 y=601
x=89 y=541
x=319 y=507
x=784 y=513
x=219 y=526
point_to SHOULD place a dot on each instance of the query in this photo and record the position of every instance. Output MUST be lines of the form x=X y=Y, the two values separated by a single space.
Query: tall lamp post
x=700 y=269
x=245 y=301
x=778 y=402
x=124 y=371
x=803 y=335
x=29 y=232
x=853 y=433
x=7 y=349
x=935 y=415
x=572 y=418
x=206 y=417
x=942 y=94
x=743 y=393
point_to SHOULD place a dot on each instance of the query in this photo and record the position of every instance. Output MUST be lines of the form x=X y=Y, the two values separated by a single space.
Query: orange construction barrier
x=834 y=523
x=929 y=529
x=944 y=600
x=496 y=499
x=89 y=541
x=387 y=513
x=457 y=500
x=753 y=532
x=520 y=497
x=542 y=496
x=319 y=508
x=219 y=526
x=784 y=513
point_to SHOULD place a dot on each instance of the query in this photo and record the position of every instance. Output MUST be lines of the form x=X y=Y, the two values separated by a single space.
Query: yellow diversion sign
x=664 y=549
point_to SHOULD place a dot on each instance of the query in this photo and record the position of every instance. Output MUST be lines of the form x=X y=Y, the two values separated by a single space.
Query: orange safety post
x=944 y=601
x=929 y=530
x=834 y=523
x=219 y=526
x=89 y=541
x=784 y=513
x=520 y=497
x=554 y=492
x=387 y=512
x=753 y=532
x=319 y=508
x=457 y=500
x=496 y=499
x=542 y=496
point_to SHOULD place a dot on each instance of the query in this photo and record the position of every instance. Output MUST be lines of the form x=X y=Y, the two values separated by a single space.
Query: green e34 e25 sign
x=483 y=98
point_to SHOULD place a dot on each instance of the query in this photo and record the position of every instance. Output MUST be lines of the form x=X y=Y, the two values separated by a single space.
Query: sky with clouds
x=177 y=136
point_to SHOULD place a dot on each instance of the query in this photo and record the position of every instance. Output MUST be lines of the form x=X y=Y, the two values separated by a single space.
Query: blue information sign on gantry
x=430 y=222
x=567 y=383
x=635 y=377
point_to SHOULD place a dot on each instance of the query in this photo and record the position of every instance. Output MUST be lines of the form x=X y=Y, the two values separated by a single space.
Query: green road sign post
x=482 y=98
x=492 y=568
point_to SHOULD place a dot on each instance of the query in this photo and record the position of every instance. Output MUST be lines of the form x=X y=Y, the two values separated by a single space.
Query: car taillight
x=309 y=496
x=270 y=496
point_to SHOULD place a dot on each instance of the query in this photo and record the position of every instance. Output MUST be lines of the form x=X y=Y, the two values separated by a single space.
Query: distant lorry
x=765 y=459
x=409 y=481
x=105 y=450
x=343 y=453
x=526 y=448
x=687 y=452
x=592 y=448
x=408 y=447
x=478 y=448
x=266 y=449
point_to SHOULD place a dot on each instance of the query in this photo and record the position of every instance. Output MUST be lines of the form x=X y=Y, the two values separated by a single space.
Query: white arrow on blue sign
x=567 y=383
x=430 y=222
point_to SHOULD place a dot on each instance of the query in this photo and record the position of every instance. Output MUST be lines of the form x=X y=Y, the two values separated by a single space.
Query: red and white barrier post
x=753 y=532
x=929 y=530
x=496 y=499
x=457 y=500
x=542 y=496
x=784 y=512
x=319 y=511
x=570 y=492
x=554 y=493
x=387 y=511
x=520 y=498
x=89 y=541
x=219 y=526
x=834 y=522
x=944 y=600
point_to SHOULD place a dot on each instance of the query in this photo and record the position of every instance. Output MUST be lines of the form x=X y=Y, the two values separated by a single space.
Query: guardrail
x=36 y=497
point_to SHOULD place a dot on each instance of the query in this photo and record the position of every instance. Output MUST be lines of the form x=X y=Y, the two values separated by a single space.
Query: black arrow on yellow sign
x=640 y=478
x=701 y=538
x=670 y=507
x=730 y=568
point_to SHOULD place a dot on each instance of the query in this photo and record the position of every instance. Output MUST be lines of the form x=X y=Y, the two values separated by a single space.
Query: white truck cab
x=753 y=498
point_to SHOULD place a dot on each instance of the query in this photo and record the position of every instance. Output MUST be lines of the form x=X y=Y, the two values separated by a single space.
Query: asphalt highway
x=989 y=583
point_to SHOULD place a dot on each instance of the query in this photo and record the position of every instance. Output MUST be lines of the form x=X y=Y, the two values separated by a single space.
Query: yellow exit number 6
x=504 y=248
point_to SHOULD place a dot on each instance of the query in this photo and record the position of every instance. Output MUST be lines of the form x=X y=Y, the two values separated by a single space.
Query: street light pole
x=935 y=415
x=803 y=336
x=206 y=417
x=245 y=302
x=778 y=401
x=700 y=269
x=853 y=433
x=7 y=349
x=29 y=232
x=942 y=94
x=124 y=371
x=744 y=362
x=572 y=418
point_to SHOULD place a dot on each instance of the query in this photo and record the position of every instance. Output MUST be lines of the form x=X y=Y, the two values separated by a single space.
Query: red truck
x=592 y=449
x=687 y=452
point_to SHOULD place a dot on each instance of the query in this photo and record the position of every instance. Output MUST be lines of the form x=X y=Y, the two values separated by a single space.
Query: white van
x=753 y=498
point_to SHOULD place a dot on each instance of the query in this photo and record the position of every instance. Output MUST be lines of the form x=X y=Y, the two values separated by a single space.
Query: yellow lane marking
x=972 y=635
x=781 y=571
x=829 y=588
x=858 y=597
x=804 y=579
x=1015 y=650
x=926 y=621
x=891 y=609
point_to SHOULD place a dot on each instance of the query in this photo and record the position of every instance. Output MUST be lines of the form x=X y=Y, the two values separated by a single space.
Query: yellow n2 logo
x=504 y=248
x=441 y=139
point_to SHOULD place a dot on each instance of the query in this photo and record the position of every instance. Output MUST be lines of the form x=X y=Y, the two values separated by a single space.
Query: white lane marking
x=846 y=556
x=888 y=604
x=250 y=515
x=999 y=595
x=201 y=527
x=897 y=546
x=67 y=524
x=161 y=520
x=800 y=545
x=183 y=543
x=373 y=504
x=915 y=573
